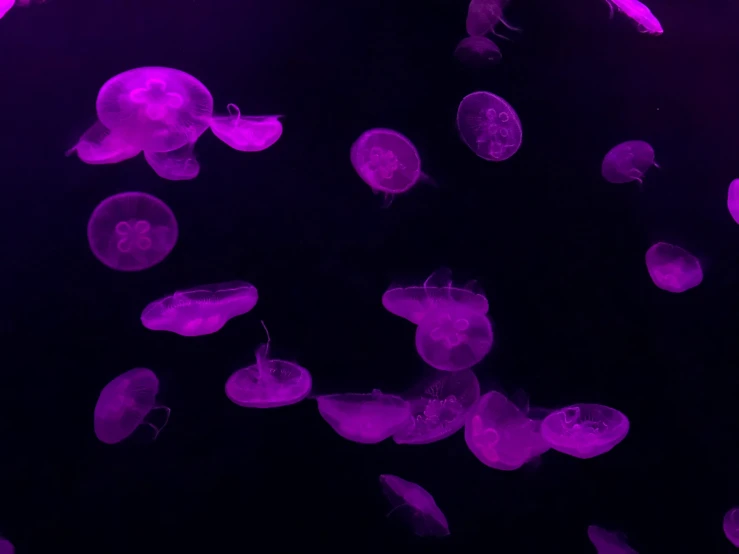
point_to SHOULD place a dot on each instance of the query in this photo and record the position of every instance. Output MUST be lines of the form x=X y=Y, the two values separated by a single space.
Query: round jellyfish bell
x=245 y=132
x=131 y=231
x=609 y=542
x=155 y=109
x=416 y=504
x=584 y=430
x=6 y=547
x=627 y=162
x=175 y=165
x=477 y=52
x=99 y=146
x=672 y=268
x=489 y=126
x=731 y=526
x=733 y=199
x=124 y=404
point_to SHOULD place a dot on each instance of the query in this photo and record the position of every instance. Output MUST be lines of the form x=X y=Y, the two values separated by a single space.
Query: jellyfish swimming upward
x=417 y=507
x=584 y=430
x=489 y=126
x=672 y=268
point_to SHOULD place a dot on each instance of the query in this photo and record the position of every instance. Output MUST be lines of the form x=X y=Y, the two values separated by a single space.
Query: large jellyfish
x=200 y=310
x=733 y=200
x=731 y=526
x=131 y=231
x=628 y=161
x=484 y=15
x=416 y=505
x=99 y=146
x=365 y=418
x=175 y=165
x=672 y=268
x=439 y=406
x=5 y=6
x=6 y=547
x=584 y=430
x=246 y=133
x=125 y=403
x=477 y=52
x=489 y=126
x=639 y=14
x=609 y=542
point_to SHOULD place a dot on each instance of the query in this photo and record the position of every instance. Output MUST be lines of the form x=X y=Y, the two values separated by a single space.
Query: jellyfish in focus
x=489 y=126
x=124 y=404
x=484 y=15
x=731 y=526
x=6 y=547
x=131 y=231
x=98 y=145
x=627 y=162
x=200 y=310
x=365 y=418
x=584 y=430
x=477 y=52
x=5 y=6
x=672 y=268
x=175 y=165
x=246 y=133
x=416 y=505
x=609 y=542
x=733 y=200
x=639 y=14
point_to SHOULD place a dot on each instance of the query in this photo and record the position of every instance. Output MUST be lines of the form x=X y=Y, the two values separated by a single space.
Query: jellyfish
x=731 y=526
x=628 y=161
x=245 y=132
x=200 y=310
x=125 y=403
x=639 y=14
x=416 y=504
x=489 y=126
x=609 y=542
x=733 y=200
x=478 y=52
x=5 y=6
x=99 y=146
x=484 y=15
x=6 y=547
x=131 y=231
x=584 y=430
x=365 y=418
x=175 y=165
x=439 y=406
x=155 y=109
x=672 y=268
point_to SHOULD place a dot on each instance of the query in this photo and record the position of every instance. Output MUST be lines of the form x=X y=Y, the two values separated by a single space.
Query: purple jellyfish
x=416 y=504
x=639 y=14
x=672 y=268
x=478 y=52
x=155 y=109
x=627 y=162
x=125 y=403
x=99 y=146
x=131 y=231
x=489 y=126
x=584 y=430
x=5 y=545
x=176 y=165
x=484 y=15
x=733 y=200
x=365 y=418
x=5 y=6
x=246 y=133
x=731 y=526
x=201 y=310
x=609 y=542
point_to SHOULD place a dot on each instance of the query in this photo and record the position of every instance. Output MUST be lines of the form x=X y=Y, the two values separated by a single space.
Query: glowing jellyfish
x=5 y=545
x=639 y=14
x=176 y=165
x=731 y=526
x=416 y=505
x=155 y=109
x=365 y=418
x=201 y=310
x=5 y=6
x=99 y=146
x=672 y=268
x=484 y=15
x=246 y=133
x=609 y=542
x=628 y=161
x=125 y=403
x=584 y=430
x=478 y=52
x=489 y=126
x=131 y=231
x=439 y=407
x=733 y=200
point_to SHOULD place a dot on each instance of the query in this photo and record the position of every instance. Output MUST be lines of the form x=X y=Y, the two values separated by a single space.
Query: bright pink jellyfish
x=731 y=526
x=478 y=52
x=416 y=505
x=6 y=546
x=439 y=406
x=484 y=15
x=156 y=109
x=609 y=542
x=99 y=146
x=639 y=14
x=176 y=165
x=489 y=126
x=733 y=200
x=584 y=430
x=628 y=161
x=246 y=133
x=131 y=231
x=365 y=418
x=125 y=403
x=672 y=268
x=200 y=310
x=5 y=6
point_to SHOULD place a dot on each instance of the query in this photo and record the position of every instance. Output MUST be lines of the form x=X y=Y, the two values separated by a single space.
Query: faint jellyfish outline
x=730 y=526
x=640 y=14
x=6 y=547
x=477 y=51
x=732 y=201
x=175 y=165
x=246 y=133
x=421 y=510
x=585 y=430
x=628 y=161
x=484 y=15
x=609 y=542
x=489 y=126
x=672 y=268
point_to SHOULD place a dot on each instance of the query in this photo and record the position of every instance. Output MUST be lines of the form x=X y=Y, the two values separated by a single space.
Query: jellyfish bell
x=584 y=430
x=484 y=15
x=5 y=6
x=489 y=126
x=609 y=542
x=477 y=52
x=673 y=268
x=175 y=165
x=627 y=162
x=246 y=133
x=733 y=200
x=98 y=145
x=416 y=505
x=640 y=14
x=6 y=547
x=731 y=526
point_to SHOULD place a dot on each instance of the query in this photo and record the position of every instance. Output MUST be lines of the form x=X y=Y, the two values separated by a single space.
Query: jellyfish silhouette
x=639 y=14
x=628 y=161
x=484 y=15
x=175 y=165
x=98 y=145
x=731 y=526
x=6 y=547
x=477 y=52
x=584 y=430
x=733 y=199
x=672 y=268
x=416 y=505
x=489 y=126
x=609 y=542
x=246 y=133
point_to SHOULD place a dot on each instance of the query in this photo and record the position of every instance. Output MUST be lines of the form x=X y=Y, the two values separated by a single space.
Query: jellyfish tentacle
x=235 y=112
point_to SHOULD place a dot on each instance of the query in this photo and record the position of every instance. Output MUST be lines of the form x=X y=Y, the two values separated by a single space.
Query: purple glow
x=5 y=545
x=628 y=161
x=584 y=430
x=478 y=52
x=386 y=160
x=484 y=15
x=5 y=6
x=99 y=146
x=672 y=268
x=733 y=200
x=416 y=505
x=639 y=14
x=489 y=126
x=609 y=542
x=246 y=133
x=731 y=526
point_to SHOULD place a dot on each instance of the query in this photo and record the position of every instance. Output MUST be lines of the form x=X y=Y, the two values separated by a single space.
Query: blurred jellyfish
x=478 y=52
x=484 y=15
x=365 y=418
x=628 y=161
x=489 y=126
x=733 y=200
x=246 y=133
x=416 y=505
x=731 y=526
x=125 y=403
x=201 y=310
x=609 y=542
x=584 y=430
x=5 y=6
x=175 y=165
x=99 y=146
x=6 y=546
x=131 y=231
x=672 y=268
x=639 y=14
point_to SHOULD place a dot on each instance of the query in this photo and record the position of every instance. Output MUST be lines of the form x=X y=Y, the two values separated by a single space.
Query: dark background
x=559 y=252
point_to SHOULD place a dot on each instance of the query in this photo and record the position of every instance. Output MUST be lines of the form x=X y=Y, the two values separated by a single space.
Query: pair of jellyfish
x=415 y=505
x=645 y=21
x=609 y=542
x=627 y=162
x=731 y=526
x=584 y=430
x=483 y=16
x=489 y=126
x=673 y=268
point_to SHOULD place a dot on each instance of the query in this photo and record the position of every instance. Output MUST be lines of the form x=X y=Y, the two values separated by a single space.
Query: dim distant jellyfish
x=416 y=505
x=639 y=14
x=5 y=6
x=365 y=418
x=125 y=403
x=733 y=200
x=584 y=430
x=155 y=109
x=131 y=231
x=99 y=146
x=484 y=15
x=731 y=526
x=489 y=126
x=200 y=310
x=672 y=268
x=439 y=407
x=628 y=161
x=609 y=542
x=246 y=133
x=478 y=52
x=6 y=547
x=176 y=165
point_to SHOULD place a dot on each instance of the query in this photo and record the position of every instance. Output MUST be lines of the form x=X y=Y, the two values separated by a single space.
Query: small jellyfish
x=731 y=526
x=627 y=162
x=246 y=133
x=6 y=547
x=672 y=268
x=5 y=6
x=639 y=14
x=609 y=542
x=125 y=403
x=478 y=52
x=416 y=505
x=733 y=200
x=175 y=165
x=365 y=418
x=484 y=15
x=131 y=231
x=584 y=430
x=99 y=146
x=201 y=310
x=489 y=126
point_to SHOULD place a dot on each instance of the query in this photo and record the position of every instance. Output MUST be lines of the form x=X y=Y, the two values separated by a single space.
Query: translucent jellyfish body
x=6 y=546
x=200 y=310
x=672 y=268
x=5 y=6
x=609 y=542
x=439 y=407
x=477 y=52
x=131 y=231
x=176 y=165
x=584 y=430
x=484 y=15
x=156 y=109
x=731 y=526
x=125 y=403
x=733 y=199
x=386 y=160
x=246 y=133
x=639 y=14
x=489 y=126
x=99 y=146
x=415 y=505
x=627 y=162
x=365 y=418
